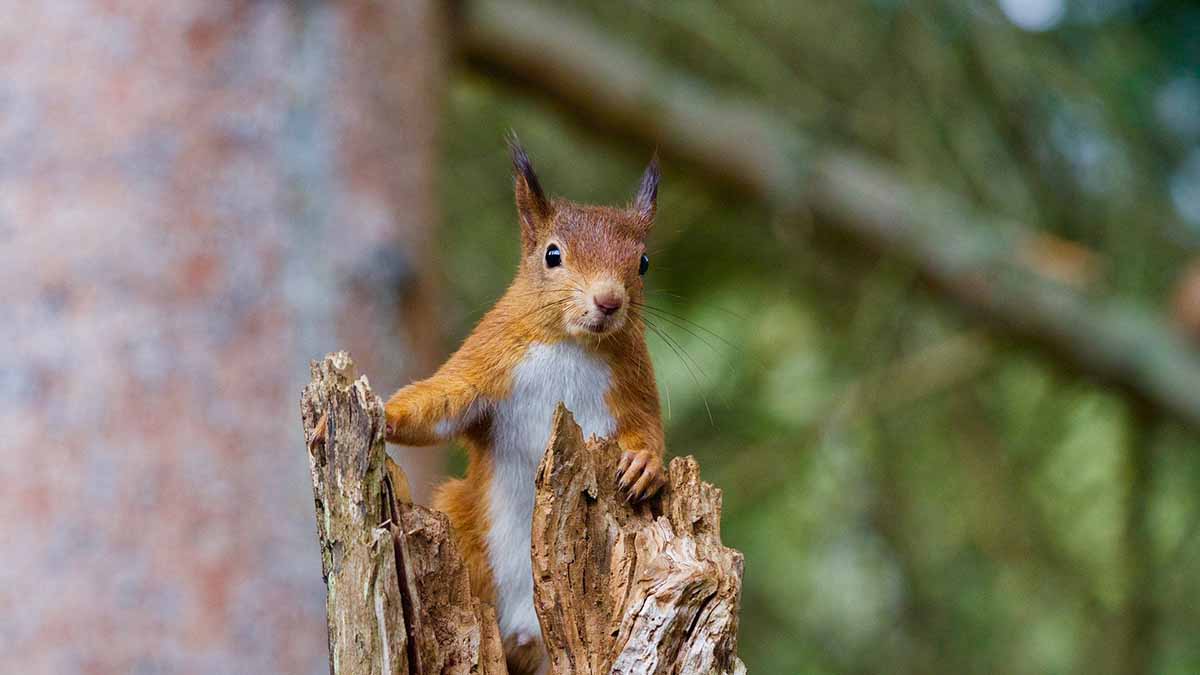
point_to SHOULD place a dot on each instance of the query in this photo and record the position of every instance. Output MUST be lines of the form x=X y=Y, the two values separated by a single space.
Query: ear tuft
x=645 y=202
x=523 y=168
x=532 y=206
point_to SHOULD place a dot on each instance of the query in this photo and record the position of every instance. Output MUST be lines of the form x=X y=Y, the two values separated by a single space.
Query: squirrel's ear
x=646 y=200
x=532 y=207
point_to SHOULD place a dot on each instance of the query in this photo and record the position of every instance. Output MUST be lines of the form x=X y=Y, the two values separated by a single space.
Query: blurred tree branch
x=1140 y=621
x=974 y=259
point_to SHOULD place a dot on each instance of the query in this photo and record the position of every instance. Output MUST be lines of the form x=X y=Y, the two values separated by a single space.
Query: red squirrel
x=568 y=329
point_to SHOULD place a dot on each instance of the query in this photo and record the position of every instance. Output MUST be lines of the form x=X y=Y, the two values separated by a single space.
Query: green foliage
x=911 y=495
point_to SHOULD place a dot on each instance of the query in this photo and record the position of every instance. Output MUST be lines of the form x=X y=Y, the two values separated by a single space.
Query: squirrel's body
x=566 y=330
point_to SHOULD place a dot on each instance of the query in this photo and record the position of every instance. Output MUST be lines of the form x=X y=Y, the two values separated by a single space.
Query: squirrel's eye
x=644 y=265
x=553 y=256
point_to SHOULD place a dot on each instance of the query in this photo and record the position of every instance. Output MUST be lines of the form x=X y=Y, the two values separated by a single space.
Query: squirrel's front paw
x=640 y=475
x=396 y=419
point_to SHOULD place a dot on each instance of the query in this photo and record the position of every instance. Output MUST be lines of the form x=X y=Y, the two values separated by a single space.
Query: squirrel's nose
x=608 y=302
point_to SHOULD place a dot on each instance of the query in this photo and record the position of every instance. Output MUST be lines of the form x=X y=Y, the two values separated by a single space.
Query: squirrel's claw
x=646 y=485
x=640 y=475
x=633 y=463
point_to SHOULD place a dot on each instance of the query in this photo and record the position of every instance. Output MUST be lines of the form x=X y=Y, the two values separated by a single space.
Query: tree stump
x=399 y=600
x=630 y=589
x=618 y=588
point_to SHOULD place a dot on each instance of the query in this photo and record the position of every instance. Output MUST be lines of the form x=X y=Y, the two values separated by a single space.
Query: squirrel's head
x=585 y=263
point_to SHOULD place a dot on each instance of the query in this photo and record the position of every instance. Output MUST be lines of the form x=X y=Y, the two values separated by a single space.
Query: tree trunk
x=618 y=588
x=195 y=197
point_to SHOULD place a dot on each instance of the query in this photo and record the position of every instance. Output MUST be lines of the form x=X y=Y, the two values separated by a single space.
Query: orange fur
x=601 y=247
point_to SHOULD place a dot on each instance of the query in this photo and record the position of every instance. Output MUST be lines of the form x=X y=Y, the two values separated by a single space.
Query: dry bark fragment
x=454 y=633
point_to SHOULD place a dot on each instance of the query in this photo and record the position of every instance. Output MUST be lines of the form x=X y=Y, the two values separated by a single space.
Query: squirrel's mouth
x=601 y=325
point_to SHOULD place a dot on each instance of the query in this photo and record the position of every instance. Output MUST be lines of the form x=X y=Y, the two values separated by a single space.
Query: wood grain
x=630 y=589
x=398 y=596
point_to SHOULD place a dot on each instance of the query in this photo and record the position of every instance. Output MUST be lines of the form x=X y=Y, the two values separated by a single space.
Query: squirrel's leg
x=431 y=411
x=634 y=402
x=640 y=474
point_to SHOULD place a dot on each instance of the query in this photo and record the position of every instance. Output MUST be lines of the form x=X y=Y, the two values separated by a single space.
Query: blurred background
x=926 y=273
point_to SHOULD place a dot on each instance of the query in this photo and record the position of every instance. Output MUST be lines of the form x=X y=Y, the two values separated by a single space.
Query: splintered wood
x=398 y=595
x=625 y=589
x=645 y=589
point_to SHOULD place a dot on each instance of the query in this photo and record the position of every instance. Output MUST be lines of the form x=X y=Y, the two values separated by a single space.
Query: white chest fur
x=547 y=374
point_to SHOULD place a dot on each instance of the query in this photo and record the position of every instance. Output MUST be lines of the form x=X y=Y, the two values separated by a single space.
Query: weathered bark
x=398 y=596
x=630 y=589
x=618 y=588
x=364 y=606
x=453 y=631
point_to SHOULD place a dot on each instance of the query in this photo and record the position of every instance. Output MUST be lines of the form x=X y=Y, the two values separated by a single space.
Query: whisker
x=667 y=391
x=520 y=295
x=675 y=348
x=686 y=353
x=498 y=335
x=667 y=336
x=683 y=327
x=719 y=308
x=542 y=292
x=664 y=291
x=668 y=316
